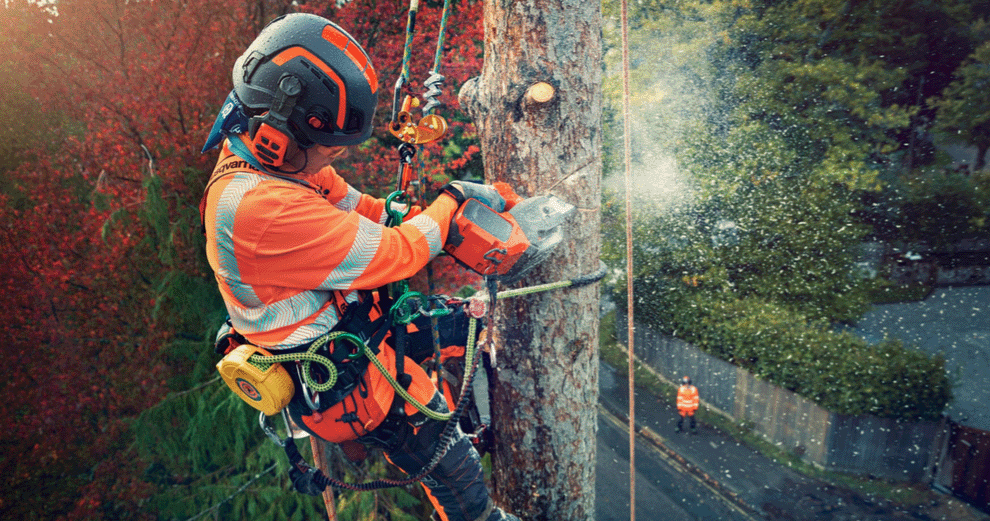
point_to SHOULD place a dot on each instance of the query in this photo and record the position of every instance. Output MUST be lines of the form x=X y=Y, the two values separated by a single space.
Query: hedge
x=837 y=370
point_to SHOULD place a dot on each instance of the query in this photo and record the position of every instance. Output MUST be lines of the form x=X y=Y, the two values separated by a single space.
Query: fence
x=859 y=444
x=964 y=466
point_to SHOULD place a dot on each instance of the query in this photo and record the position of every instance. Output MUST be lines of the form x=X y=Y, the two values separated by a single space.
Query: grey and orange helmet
x=306 y=78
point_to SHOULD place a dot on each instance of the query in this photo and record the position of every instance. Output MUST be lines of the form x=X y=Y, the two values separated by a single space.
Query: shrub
x=837 y=370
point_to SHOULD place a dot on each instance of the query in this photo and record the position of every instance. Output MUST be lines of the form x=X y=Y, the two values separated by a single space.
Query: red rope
x=629 y=260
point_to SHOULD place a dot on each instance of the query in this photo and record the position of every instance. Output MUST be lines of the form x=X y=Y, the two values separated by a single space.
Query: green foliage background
x=770 y=140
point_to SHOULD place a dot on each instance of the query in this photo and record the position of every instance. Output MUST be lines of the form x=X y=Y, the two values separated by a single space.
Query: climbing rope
x=446 y=437
x=627 y=132
x=410 y=31
x=469 y=356
x=435 y=81
x=309 y=356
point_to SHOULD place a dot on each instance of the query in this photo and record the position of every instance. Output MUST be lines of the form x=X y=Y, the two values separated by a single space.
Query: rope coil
x=310 y=356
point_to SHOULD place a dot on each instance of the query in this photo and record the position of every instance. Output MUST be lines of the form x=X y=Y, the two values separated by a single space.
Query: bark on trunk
x=320 y=450
x=545 y=393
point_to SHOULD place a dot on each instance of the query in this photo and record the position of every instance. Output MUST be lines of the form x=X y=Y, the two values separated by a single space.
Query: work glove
x=486 y=194
x=507 y=193
x=305 y=482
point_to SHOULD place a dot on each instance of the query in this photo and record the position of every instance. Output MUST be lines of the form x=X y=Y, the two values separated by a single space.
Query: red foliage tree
x=86 y=250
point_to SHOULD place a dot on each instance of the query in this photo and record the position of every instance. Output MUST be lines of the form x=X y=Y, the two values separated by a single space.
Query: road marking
x=657 y=443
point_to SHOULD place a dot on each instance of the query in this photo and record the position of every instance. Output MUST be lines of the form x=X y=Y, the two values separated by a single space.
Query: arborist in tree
x=301 y=256
x=687 y=403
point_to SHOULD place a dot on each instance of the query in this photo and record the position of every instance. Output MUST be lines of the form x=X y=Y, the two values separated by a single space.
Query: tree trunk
x=545 y=393
x=320 y=449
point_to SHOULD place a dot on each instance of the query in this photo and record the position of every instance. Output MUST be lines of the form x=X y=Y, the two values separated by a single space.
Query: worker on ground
x=297 y=252
x=687 y=403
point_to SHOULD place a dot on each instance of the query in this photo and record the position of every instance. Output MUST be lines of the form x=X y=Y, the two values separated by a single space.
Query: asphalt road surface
x=664 y=491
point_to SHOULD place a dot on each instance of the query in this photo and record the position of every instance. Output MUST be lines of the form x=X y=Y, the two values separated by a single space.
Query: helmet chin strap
x=300 y=169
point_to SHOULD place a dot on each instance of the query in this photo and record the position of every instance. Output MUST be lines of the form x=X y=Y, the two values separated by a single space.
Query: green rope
x=534 y=289
x=550 y=286
x=441 y=36
x=430 y=413
x=410 y=29
x=309 y=356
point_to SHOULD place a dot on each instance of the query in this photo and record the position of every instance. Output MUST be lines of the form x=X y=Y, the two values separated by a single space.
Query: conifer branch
x=172 y=396
x=238 y=491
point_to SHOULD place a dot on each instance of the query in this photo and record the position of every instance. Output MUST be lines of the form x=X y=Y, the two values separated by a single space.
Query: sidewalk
x=771 y=490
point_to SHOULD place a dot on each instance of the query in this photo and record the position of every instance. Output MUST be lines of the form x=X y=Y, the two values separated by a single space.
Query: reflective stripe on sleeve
x=226 y=212
x=431 y=230
x=363 y=249
x=350 y=201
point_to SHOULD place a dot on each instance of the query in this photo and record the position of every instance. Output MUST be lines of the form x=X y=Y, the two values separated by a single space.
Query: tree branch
x=238 y=491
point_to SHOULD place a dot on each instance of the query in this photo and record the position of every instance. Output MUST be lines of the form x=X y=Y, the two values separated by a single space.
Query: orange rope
x=629 y=260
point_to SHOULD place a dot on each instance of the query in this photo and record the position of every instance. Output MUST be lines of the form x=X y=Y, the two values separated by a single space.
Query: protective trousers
x=457 y=485
x=680 y=421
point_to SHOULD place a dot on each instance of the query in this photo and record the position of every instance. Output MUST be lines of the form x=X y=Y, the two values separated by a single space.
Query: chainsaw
x=507 y=245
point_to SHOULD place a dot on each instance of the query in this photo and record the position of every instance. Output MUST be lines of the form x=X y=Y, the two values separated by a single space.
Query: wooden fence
x=964 y=466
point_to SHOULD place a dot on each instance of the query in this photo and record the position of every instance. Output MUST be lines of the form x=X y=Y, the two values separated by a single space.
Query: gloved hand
x=305 y=482
x=507 y=193
x=487 y=194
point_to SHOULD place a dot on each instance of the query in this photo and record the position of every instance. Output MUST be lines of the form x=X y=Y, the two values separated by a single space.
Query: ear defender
x=270 y=131
x=269 y=145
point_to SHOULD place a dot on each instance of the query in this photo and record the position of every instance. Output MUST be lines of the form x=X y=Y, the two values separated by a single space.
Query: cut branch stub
x=539 y=93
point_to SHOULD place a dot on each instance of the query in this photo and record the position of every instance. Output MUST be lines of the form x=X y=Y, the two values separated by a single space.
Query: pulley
x=429 y=128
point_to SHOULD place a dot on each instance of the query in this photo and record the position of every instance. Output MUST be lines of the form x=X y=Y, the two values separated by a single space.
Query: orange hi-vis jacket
x=687 y=398
x=288 y=255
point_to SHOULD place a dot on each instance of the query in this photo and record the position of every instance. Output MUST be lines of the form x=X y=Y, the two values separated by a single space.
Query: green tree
x=759 y=126
x=763 y=133
x=964 y=106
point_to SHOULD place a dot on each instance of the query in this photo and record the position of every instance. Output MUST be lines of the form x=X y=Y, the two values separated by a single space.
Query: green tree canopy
x=758 y=127
x=964 y=106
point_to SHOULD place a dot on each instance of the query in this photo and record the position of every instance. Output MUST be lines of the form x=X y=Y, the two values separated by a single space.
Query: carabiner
x=404 y=311
x=270 y=432
x=313 y=405
x=396 y=215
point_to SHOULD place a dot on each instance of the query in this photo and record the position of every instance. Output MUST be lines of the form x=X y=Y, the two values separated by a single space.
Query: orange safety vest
x=283 y=252
x=687 y=397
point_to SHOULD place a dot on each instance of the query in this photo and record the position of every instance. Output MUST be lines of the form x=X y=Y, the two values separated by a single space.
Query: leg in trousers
x=457 y=485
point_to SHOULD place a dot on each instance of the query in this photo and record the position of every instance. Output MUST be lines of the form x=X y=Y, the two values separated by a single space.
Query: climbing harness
x=476 y=308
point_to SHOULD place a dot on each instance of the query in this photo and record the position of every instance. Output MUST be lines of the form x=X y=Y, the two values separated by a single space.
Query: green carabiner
x=354 y=340
x=395 y=216
x=402 y=311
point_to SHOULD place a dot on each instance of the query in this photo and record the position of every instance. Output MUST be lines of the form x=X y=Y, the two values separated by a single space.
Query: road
x=664 y=489
x=709 y=475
